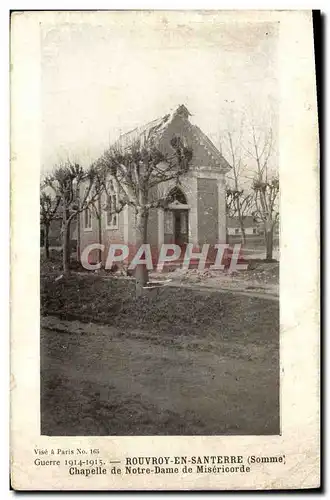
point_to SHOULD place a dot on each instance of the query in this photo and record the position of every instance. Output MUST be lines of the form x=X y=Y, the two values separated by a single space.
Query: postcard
x=165 y=330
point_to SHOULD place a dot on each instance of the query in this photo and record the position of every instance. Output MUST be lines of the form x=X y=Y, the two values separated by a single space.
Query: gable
x=204 y=151
x=177 y=123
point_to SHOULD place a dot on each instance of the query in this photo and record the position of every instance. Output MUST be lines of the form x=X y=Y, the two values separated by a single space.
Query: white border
x=93 y=5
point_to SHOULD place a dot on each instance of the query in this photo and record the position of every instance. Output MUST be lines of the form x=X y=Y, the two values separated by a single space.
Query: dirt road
x=98 y=380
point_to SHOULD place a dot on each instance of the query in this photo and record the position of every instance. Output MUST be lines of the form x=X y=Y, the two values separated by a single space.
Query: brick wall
x=87 y=237
x=207 y=209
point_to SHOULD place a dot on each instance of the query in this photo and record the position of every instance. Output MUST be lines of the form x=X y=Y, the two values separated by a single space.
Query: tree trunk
x=78 y=237
x=240 y=220
x=243 y=237
x=78 y=220
x=66 y=247
x=269 y=244
x=99 y=219
x=141 y=271
x=46 y=238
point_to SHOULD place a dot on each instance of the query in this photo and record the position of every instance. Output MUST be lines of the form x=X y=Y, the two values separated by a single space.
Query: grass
x=169 y=311
x=170 y=363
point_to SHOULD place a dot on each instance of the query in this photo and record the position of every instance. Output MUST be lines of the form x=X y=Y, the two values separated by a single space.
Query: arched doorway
x=176 y=218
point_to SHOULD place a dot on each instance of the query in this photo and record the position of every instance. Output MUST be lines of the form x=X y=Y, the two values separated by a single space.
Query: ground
x=173 y=362
x=261 y=278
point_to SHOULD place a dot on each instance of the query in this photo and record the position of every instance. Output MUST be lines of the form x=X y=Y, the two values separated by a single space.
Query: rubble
x=259 y=276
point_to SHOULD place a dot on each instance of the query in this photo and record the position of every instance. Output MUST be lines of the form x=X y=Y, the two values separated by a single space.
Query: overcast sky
x=106 y=77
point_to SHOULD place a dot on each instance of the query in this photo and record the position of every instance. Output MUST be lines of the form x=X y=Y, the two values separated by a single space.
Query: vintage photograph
x=165 y=312
x=159 y=225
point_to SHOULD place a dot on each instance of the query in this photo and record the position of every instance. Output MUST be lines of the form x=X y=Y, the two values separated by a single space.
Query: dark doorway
x=180 y=226
x=177 y=227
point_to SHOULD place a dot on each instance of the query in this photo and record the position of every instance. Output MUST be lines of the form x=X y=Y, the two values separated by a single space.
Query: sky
x=109 y=73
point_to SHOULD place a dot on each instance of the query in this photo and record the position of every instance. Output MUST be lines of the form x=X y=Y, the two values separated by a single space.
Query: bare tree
x=96 y=208
x=238 y=203
x=136 y=172
x=48 y=210
x=265 y=186
x=230 y=202
x=238 y=199
x=77 y=191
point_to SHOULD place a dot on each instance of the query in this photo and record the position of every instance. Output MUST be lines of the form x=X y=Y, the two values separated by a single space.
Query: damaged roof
x=155 y=129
